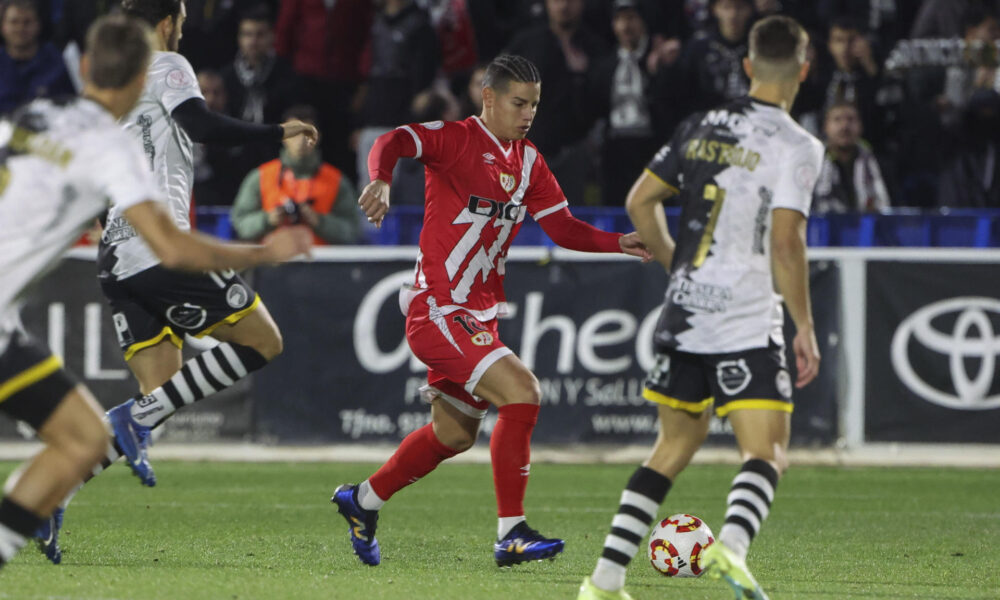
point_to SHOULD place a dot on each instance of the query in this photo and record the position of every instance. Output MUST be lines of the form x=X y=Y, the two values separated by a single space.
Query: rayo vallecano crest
x=507 y=182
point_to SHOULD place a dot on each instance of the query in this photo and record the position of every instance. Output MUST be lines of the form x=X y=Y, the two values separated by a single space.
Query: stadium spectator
x=943 y=18
x=404 y=61
x=710 y=70
x=969 y=178
x=260 y=85
x=29 y=68
x=564 y=49
x=297 y=188
x=850 y=179
x=852 y=74
x=209 y=29
x=324 y=41
x=219 y=169
x=625 y=95
x=408 y=176
x=471 y=101
x=886 y=22
x=77 y=15
x=980 y=26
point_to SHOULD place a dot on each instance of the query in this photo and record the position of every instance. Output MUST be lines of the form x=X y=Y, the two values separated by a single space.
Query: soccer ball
x=676 y=543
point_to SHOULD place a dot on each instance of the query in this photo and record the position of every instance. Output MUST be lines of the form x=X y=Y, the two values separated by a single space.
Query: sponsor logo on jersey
x=957 y=336
x=507 y=182
x=432 y=125
x=187 y=316
x=237 y=296
x=483 y=338
x=733 y=375
x=125 y=337
x=488 y=158
x=487 y=207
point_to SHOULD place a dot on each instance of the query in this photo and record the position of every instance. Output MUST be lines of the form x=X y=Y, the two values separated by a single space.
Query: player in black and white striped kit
x=62 y=162
x=744 y=175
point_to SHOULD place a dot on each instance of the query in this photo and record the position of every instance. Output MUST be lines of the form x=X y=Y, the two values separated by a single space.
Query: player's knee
x=82 y=440
x=271 y=345
x=461 y=442
x=527 y=391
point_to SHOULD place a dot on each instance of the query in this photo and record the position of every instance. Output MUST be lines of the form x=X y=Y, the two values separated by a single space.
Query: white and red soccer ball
x=676 y=544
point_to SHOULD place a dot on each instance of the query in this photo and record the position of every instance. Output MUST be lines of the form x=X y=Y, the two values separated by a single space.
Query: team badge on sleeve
x=507 y=182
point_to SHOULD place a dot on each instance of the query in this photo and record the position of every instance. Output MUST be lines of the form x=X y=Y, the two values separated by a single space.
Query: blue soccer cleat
x=361 y=524
x=523 y=544
x=48 y=536
x=133 y=439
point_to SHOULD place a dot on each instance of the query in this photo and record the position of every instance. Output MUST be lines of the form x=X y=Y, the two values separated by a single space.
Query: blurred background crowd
x=904 y=93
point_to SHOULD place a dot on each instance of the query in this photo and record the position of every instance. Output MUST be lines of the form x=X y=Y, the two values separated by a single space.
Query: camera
x=290 y=211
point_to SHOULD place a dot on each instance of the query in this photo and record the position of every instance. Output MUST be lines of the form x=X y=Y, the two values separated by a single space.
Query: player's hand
x=287 y=243
x=633 y=246
x=295 y=127
x=374 y=201
x=806 y=356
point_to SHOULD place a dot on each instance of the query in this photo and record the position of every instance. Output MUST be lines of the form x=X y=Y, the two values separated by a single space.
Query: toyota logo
x=972 y=337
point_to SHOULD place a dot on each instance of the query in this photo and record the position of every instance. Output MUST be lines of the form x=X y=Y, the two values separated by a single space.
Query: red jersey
x=478 y=191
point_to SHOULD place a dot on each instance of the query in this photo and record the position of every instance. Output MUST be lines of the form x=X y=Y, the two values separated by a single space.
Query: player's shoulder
x=798 y=139
x=171 y=69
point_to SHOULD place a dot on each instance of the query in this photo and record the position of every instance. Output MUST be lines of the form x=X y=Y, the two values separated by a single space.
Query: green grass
x=248 y=531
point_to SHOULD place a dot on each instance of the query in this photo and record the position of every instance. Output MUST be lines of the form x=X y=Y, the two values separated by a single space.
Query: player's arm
x=382 y=159
x=205 y=126
x=569 y=232
x=644 y=205
x=791 y=276
x=192 y=251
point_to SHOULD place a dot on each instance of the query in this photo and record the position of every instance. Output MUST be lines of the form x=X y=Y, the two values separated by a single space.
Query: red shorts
x=457 y=349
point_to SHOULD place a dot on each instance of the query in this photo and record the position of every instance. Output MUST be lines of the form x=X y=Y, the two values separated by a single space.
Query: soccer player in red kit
x=482 y=177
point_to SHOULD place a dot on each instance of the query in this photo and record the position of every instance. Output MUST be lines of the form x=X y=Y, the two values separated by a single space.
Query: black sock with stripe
x=208 y=373
x=749 y=503
x=640 y=501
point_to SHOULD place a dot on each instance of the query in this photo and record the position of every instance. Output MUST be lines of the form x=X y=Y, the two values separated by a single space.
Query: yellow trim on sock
x=672 y=189
x=29 y=377
x=233 y=318
x=691 y=407
x=754 y=404
x=166 y=332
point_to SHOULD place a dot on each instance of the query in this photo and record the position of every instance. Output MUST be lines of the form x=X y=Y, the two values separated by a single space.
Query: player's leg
x=452 y=430
x=35 y=389
x=754 y=391
x=678 y=385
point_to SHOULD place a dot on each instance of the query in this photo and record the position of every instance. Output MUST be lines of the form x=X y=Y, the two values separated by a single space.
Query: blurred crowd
x=903 y=92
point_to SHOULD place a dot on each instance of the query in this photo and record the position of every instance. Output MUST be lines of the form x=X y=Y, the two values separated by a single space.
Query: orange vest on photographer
x=278 y=183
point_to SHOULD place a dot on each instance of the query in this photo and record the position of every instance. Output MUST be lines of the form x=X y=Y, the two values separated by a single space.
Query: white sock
x=367 y=497
x=736 y=539
x=150 y=410
x=505 y=524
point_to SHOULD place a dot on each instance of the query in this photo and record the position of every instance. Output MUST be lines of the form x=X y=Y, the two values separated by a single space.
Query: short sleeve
x=123 y=174
x=544 y=196
x=172 y=80
x=796 y=181
x=667 y=162
x=439 y=143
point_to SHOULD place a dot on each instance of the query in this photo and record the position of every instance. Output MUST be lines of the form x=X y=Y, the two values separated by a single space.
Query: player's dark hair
x=846 y=23
x=302 y=112
x=779 y=42
x=152 y=11
x=510 y=67
x=974 y=15
x=258 y=13
x=840 y=103
x=118 y=47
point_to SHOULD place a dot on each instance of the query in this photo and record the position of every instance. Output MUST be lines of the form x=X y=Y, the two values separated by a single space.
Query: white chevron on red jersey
x=477 y=191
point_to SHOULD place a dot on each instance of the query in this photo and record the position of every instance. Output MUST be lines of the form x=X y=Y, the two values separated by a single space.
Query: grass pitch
x=263 y=531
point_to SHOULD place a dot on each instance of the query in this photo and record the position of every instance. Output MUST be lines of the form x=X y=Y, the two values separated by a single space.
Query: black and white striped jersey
x=170 y=81
x=62 y=163
x=731 y=166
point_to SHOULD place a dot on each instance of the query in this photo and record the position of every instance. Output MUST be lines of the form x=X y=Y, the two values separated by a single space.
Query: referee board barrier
x=910 y=341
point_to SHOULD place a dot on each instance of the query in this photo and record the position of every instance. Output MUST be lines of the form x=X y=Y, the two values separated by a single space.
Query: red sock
x=510 y=451
x=417 y=456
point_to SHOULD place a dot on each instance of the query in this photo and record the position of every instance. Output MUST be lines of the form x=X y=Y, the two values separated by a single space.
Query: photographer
x=297 y=188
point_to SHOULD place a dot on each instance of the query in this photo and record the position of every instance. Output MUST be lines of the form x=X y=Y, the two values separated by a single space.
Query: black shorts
x=32 y=380
x=158 y=304
x=750 y=379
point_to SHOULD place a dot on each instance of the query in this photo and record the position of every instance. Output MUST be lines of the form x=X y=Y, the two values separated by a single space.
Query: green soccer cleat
x=721 y=562
x=589 y=591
